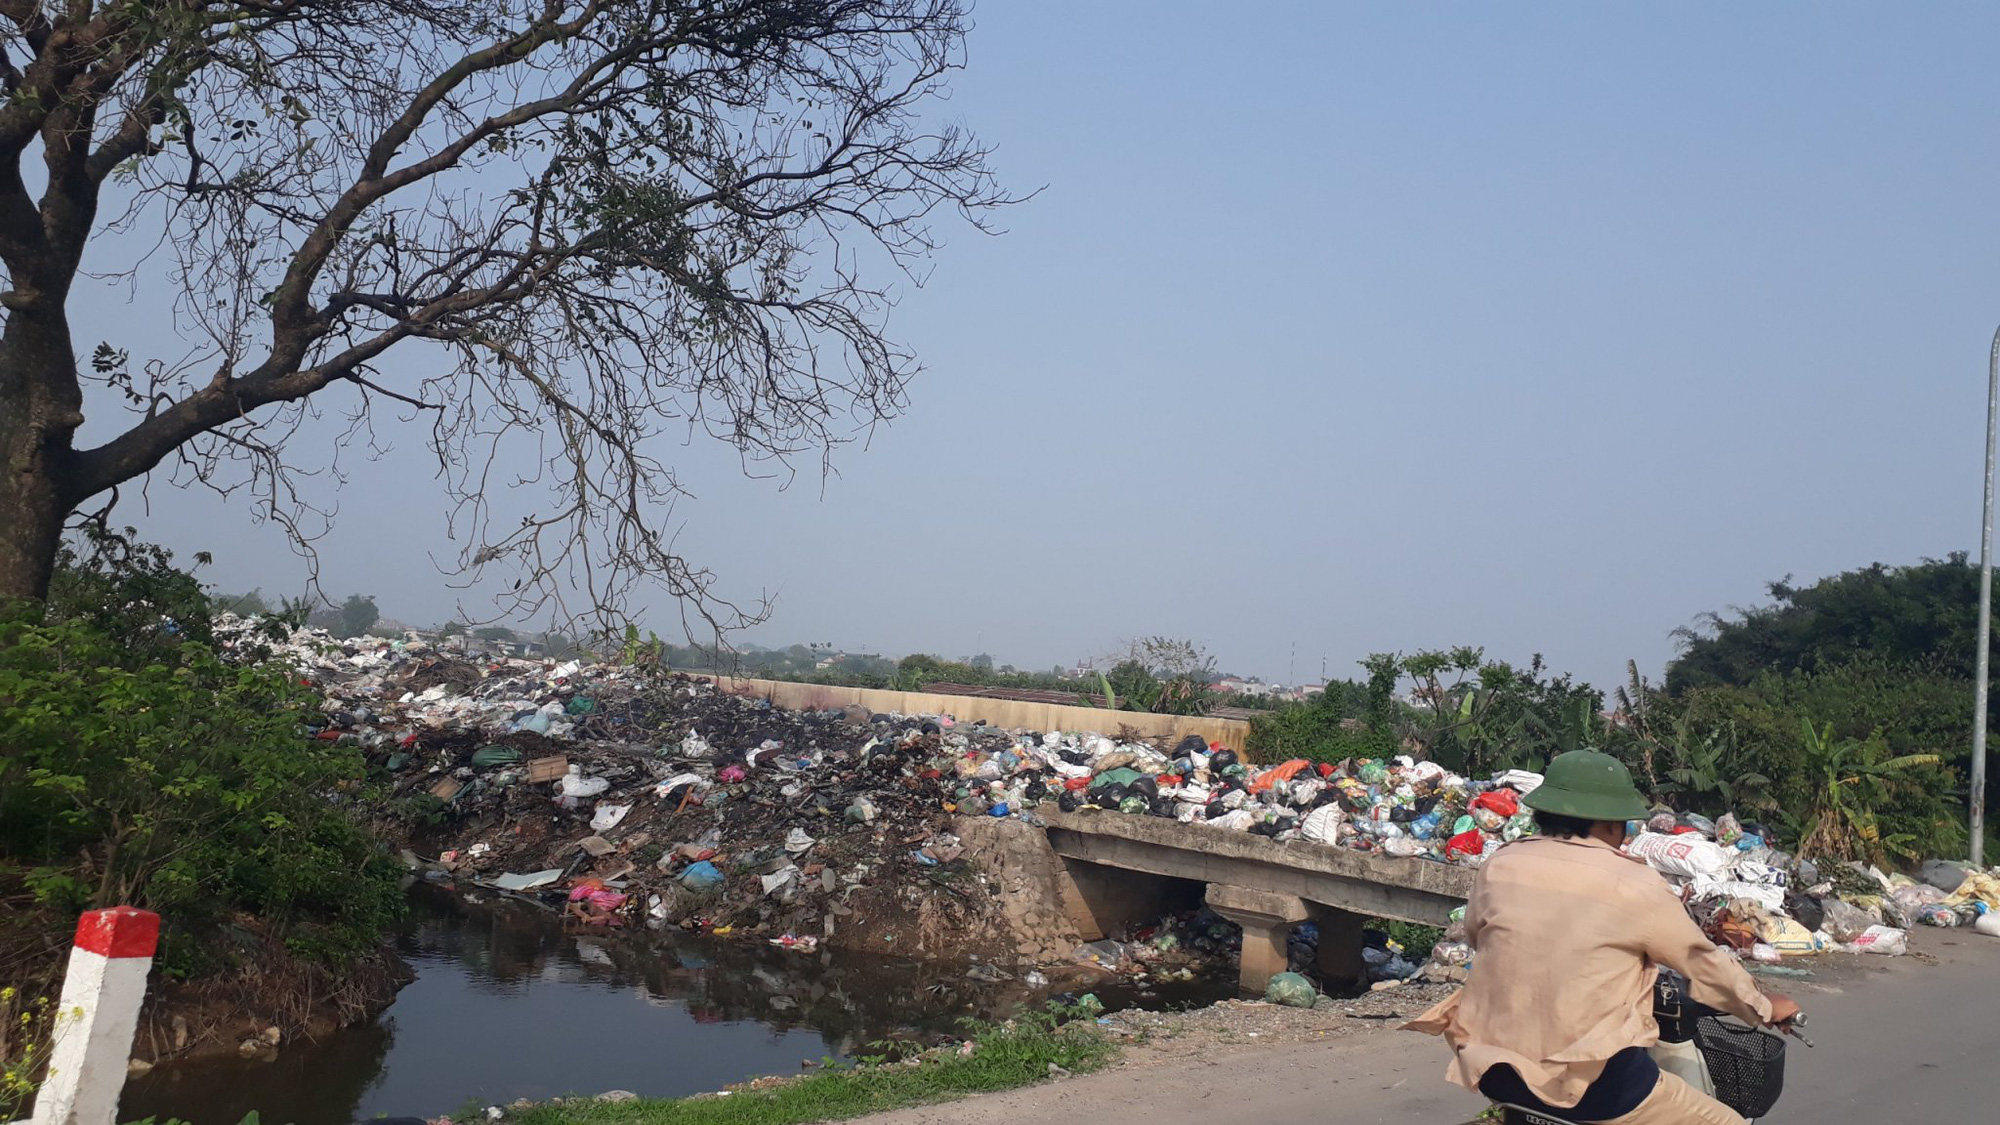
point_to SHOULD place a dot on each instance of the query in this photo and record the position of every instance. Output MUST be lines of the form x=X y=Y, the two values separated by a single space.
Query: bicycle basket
x=1746 y=1064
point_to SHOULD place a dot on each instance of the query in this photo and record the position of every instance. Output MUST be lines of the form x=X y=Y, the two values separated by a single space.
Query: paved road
x=1901 y=1041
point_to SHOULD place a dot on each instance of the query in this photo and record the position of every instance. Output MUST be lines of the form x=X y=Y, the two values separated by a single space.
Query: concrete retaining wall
x=1009 y=713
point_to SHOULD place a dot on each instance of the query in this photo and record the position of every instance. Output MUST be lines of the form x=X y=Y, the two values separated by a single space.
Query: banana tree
x=1847 y=779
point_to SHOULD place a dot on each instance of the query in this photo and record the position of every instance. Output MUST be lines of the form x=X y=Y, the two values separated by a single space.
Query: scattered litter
x=527 y=882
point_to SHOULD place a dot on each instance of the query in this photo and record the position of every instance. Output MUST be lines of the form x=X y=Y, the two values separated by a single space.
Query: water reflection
x=508 y=1005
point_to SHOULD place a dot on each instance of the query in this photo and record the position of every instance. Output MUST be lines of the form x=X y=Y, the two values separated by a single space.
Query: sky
x=1339 y=328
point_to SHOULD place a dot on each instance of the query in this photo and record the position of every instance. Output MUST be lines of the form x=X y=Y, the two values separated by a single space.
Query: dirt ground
x=1899 y=1039
x=1254 y=1023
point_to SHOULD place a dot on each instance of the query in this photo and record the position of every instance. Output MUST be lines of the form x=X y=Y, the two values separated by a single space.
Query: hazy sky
x=1365 y=327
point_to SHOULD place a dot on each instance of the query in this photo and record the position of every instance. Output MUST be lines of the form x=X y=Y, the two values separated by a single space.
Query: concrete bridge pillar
x=1267 y=920
x=1339 y=959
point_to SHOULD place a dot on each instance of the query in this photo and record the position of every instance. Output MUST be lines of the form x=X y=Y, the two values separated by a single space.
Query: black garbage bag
x=1069 y=801
x=1109 y=795
x=1163 y=806
x=1807 y=909
x=1222 y=759
x=1145 y=787
x=1192 y=744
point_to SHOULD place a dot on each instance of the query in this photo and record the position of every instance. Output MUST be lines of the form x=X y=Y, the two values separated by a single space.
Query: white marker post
x=94 y=1025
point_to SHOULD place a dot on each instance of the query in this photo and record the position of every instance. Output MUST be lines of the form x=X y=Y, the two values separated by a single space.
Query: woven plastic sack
x=1686 y=855
x=1322 y=824
x=1884 y=940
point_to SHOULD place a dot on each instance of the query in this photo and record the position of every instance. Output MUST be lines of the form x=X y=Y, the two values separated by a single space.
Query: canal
x=508 y=1004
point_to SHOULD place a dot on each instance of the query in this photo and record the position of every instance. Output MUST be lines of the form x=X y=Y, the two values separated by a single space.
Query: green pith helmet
x=1589 y=786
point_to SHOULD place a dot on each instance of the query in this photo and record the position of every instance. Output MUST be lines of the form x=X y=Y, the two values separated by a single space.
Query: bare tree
x=586 y=228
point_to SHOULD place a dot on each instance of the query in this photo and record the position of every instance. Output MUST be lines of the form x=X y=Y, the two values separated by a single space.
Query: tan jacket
x=1568 y=935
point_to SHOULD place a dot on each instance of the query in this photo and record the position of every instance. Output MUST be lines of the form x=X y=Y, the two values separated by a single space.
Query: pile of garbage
x=423 y=699
x=1176 y=948
x=1767 y=905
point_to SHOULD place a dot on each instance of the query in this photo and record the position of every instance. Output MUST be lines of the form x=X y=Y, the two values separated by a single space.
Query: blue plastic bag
x=703 y=876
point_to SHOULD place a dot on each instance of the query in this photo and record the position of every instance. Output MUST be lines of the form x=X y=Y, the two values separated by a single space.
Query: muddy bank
x=271 y=1001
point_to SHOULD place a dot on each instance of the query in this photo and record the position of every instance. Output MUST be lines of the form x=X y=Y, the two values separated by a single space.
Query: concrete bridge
x=1122 y=869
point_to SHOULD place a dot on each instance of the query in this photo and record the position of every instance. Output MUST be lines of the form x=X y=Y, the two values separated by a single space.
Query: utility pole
x=1985 y=614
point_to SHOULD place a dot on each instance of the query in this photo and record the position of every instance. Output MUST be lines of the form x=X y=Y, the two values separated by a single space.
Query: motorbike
x=1741 y=1067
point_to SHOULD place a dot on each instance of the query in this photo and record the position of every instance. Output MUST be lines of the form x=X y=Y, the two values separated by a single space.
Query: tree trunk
x=41 y=406
x=30 y=533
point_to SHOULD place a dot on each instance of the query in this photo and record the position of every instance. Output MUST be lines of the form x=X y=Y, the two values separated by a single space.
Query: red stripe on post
x=122 y=931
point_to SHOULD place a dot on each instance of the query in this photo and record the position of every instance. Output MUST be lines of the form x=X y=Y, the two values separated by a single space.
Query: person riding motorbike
x=1568 y=933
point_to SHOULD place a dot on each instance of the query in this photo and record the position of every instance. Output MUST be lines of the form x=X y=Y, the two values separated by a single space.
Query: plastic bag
x=607 y=817
x=1988 y=924
x=1465 y=843
x=574 y=784
x=1935 y=914
x=488 y=756
x=702 y=876
x=1451 y=953
x=1728 y=831
x=1502 y=801
x=1940 y=873
x=1291 y=990
x=1686 y=855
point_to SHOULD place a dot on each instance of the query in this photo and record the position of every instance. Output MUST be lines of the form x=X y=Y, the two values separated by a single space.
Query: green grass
x=1003 y=1058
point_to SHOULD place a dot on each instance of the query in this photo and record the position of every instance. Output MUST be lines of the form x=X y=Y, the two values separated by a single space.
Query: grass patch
x=1003 y=1057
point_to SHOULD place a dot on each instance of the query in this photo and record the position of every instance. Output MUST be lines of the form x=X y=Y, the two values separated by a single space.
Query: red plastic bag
x=1503 y=801
x=1465 y=843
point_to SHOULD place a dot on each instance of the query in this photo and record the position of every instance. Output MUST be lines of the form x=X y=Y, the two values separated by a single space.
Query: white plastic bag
x=1687 y=855
x=574 y=784
x=608 y=816
x=1988 y=924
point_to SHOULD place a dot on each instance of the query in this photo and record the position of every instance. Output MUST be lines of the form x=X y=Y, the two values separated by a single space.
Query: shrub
x=138 y=766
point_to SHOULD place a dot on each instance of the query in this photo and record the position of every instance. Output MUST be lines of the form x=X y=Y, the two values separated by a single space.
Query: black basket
x=1746 y=1065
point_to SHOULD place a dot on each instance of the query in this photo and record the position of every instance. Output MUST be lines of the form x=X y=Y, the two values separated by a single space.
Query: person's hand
x=1783 y=1010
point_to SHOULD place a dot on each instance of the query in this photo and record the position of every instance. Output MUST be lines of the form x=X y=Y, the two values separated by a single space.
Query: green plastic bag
x=486 y=757
x=1291 y=990
x=581 y=705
